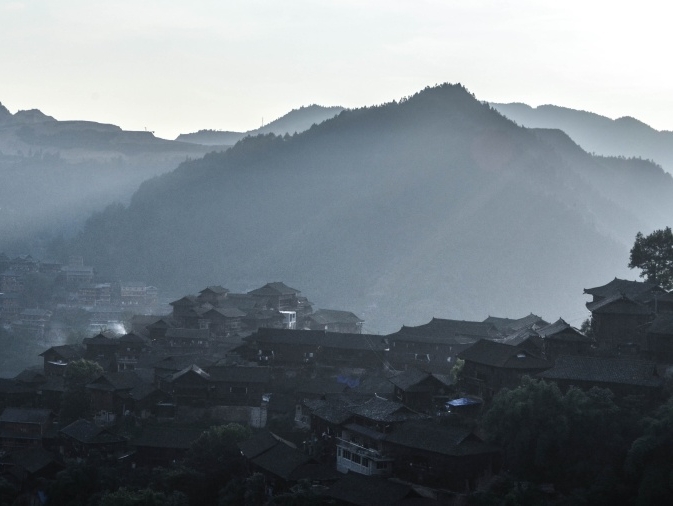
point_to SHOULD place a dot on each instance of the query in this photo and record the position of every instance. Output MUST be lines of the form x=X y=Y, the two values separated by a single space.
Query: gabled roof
x=180 y=333
x=215 y=289
x=361 y=490
x=636 y=306
x=187 y=300
x=133 y=338
x=101 y=339
x=319 y=338
x=195 y=369
x=259 y=443
x=87 y=432
x=12 y=386
x=33 y=460
x=116 y=381
x=332 y=316
x=167 y=437
x=410 y=379
x=281 y=460
x=226 y=312
x=65 y=351
x=562 y=331
x=603 y=370
x=502 y=355
x=383 y=410
x=430 y=436
x=273 y=290
x=333 y=412
x=33 y=375
x=624 y=286
x=444 y=331
x=240 y=374
x=25 y=415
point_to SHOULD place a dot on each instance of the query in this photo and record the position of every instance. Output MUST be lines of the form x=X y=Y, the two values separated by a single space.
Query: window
x=382 y=465
x=346 y=454
x=355 y=458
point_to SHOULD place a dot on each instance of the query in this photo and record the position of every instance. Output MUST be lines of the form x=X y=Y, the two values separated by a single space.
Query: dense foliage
x=653 y=254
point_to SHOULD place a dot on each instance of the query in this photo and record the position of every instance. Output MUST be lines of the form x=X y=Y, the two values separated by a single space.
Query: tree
x=75 y=401
x=654 y=255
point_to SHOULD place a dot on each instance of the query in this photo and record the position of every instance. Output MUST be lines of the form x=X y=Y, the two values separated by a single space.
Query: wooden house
x=83 y=438
x=560 y=338
x=441 y=455
x=239 y=386
x=420 y=390
x=24 y=427
x=57 y=358
x=659 y=339
x=490 y=366
x=333 y=321
x=623 y=376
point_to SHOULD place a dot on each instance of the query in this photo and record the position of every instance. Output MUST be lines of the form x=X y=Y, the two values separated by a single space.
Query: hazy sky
x=179 y=66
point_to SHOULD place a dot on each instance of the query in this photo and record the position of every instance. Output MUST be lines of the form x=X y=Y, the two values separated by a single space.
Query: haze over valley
x=435 y=205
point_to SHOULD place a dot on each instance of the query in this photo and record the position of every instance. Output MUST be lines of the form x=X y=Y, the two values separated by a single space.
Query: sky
x=175 y=67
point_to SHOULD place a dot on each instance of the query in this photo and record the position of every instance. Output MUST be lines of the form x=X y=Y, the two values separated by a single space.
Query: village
x=364 y=419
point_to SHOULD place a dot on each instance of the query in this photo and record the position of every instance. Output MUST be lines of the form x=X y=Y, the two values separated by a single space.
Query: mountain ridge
x=436 y=205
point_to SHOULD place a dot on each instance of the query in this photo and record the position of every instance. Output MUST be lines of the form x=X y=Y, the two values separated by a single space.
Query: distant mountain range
x=295 y=121
x=436 y=205
x=597 y=134
x=54 y=174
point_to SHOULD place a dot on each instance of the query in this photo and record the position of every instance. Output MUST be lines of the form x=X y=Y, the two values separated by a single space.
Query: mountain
x=436 y=205
x=597 y=134
x=54 y=173
x=294 y=121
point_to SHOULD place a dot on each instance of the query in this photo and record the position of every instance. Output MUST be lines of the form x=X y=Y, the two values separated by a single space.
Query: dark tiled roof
x=502 y=355
x=12 y=386
x=216 y=289
x=31 y=376
x=193 y=369
x=624 y=286
x=167 y=437
x=187 y=300
x=383 y=410
x=662 y=324
x=101 y=340
x=240 y=374
x=281 y=460
x=133 y=338
x=447 y=332
x=274 y=289
x=562 y=331
x=177 y=333
x=433 y=437
x=409 y=378
x=226 y=312
x=635 y=306
x=116 y=381
x=33 y=460
x=258 y=444
x=362 y=490
x=64 y=351
x=327 y=316
x=602 y=370
x=89 y=433
x=25 y=415
x=319 y=338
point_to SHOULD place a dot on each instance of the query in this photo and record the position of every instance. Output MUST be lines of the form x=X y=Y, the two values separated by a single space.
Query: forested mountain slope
x=433 y=206
x=53 y=174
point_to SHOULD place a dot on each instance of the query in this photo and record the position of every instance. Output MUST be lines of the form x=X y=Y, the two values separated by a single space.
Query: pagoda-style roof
x=274 y=290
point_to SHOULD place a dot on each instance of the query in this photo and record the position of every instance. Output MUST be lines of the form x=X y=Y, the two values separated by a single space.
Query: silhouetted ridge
x=435 y=204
